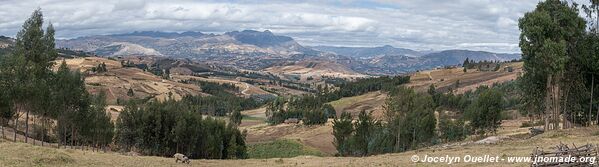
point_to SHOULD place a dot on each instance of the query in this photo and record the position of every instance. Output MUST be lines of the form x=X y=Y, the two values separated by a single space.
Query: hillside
x=311 y=68
x=514 y=143
x=118 y=80
x=321 y=138
x=186 y=44
x=368 y=52
x=445 y=78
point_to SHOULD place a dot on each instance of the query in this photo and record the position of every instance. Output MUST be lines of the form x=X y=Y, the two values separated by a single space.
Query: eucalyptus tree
x=37 y=49
x=547 y=40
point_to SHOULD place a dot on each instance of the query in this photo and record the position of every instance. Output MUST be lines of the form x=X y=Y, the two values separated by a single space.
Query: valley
x=356 y=83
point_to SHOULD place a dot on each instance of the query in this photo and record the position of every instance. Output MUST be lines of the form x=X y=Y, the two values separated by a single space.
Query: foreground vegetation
x=57 y=100
x=166 y=128
x=559 y=49
x=21 y=154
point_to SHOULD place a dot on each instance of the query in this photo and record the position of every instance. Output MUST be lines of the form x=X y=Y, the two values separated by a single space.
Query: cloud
x=489 y=25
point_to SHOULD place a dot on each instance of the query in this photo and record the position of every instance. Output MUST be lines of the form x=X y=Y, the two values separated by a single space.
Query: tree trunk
x=565 y=114
x=3 y=129
x=43 y=130
x=72 y=137
x=591 y=102
x=34 y=123
x=64 y=136
x=397 y=141
x=557 y=94
x=27 y=125
x=15 y=128
x=548 y=101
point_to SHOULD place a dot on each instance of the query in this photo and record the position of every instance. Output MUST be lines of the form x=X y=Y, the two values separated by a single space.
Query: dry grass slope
x=514 y=144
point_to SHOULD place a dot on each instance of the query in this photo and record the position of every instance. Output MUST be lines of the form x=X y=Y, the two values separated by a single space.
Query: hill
x=514 y=142
x=117 y=81
x=368 y=52
x=314 y=68
x=445 y=78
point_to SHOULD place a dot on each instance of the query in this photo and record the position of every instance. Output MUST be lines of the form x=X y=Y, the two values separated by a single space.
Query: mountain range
x=258 y=50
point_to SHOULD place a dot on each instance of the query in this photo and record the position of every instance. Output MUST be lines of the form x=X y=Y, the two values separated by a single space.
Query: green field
x=280 y=149
x=252 y=118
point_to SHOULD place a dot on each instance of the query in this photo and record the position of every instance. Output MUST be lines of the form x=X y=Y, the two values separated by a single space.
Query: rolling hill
x=118 y=80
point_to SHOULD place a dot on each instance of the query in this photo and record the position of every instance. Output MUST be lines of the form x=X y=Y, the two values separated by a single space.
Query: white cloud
x=418 y=24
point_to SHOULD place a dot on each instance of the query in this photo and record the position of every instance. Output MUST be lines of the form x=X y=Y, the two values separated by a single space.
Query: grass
x=281 y=149
x=22 y=154
x=250 y=118
x=34 y=156
x=347 y=101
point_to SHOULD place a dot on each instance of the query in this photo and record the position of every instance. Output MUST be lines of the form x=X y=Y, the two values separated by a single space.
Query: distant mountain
x=258 y=50
x=7 y=45
x=189 y=44
x=260 y=39
x=6 y=41
x=158 y=34
x=458 y=56
x=368 y=52
x=390 y=60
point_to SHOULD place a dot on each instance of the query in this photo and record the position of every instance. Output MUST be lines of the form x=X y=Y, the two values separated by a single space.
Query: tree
x=71 y=101
x=6 y=109
x=451 y=130
x=343 y=130
x=547 y=40
x=363 y=129
x=101 y=127
x=37 y=48
x=485 y=112
x=236 y=117
x=589 y=50
x=411 y=118
x=130 y=92
x=329 y=111
x=164 y=128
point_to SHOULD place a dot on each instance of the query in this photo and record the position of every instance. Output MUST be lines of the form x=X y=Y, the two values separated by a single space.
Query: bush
x=452 y=130
x=314 y=117
x=485 y=112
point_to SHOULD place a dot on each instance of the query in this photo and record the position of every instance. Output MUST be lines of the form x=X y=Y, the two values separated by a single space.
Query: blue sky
x=489 y=25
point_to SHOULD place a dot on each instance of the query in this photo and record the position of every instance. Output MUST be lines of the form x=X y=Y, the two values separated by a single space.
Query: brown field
x=445 y=78
x=315 y=69
x=369 y=102
x=117 y=81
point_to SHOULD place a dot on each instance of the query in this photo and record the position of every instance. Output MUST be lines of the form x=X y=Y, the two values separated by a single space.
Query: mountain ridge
x=256 y=50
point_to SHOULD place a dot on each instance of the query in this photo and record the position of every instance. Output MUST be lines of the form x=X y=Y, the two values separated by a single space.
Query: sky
x=487 y=25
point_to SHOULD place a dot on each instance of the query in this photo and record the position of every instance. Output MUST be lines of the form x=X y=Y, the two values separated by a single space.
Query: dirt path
x=247 y=88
